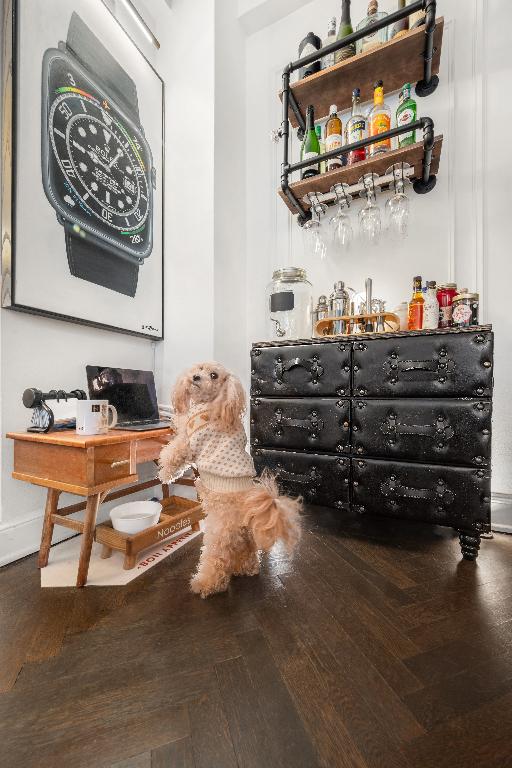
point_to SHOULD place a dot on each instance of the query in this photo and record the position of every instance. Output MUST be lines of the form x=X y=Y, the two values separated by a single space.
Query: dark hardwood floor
x=376 y=647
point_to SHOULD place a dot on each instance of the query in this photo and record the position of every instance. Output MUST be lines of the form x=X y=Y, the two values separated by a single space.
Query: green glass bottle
x=344 y=30
x=405 y=114
x=310 y=145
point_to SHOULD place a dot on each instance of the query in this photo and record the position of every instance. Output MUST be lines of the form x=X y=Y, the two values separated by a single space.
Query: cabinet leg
x=91 y=510
x=469 y=544
x=52 y=499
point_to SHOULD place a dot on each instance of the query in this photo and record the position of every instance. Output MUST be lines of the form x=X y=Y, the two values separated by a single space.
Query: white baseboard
x=501 y=512
x=22 y=537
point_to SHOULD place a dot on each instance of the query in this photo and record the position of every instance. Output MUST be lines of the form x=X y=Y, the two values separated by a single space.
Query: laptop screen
x=132 y=393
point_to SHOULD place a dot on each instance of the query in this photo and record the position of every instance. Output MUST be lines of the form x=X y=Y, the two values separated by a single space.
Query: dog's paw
x=200 y=586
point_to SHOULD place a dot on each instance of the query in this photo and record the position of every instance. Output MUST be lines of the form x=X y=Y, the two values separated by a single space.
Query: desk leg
x=52 y=499
x=91 y=510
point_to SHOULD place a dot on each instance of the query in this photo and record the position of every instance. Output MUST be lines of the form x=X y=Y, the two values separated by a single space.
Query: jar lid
x=289 y=273
x=460 y=296
x=448 y=285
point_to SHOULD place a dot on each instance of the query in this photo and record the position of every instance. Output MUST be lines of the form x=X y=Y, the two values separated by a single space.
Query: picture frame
x=83 y=188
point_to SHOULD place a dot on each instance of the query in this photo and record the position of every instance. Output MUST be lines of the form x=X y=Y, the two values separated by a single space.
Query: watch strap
x=97 y=265
x=94 y=57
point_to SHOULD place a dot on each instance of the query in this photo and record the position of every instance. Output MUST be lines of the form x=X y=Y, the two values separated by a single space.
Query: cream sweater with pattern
x=220 y=457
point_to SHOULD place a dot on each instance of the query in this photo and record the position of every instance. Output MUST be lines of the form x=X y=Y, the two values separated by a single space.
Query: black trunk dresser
x=395 y=424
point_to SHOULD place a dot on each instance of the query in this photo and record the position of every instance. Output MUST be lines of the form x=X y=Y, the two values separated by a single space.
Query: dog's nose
x=196 y=377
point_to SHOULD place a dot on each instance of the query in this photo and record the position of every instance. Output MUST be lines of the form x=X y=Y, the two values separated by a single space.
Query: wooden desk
x=90 y=466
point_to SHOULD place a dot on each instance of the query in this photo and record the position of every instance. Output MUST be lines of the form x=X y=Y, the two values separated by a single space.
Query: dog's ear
x=180 y=396
x=229 y=404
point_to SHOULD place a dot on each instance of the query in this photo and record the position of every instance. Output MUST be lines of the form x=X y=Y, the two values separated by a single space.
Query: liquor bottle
x=328 y=61
x=417 y=18
x=405 y=114
x=379 y=121
x=415 y=310
x=345 y=30
x=431 y=306
x=356 y=129
x=376 y=38
x=310 y=145
x=401 y=27
x=310 y=44
x=321 y=142
x=333 y=137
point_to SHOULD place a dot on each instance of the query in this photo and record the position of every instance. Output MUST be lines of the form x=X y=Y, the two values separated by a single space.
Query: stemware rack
x=413 y=55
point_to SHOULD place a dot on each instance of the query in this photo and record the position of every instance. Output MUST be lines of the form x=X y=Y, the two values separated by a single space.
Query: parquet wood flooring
x=375 y=647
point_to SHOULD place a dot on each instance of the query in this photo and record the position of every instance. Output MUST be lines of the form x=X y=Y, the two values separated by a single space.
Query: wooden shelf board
x=396 y=62
x=351 y=174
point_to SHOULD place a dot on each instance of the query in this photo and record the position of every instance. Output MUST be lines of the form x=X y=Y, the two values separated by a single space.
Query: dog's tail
x=271 y=517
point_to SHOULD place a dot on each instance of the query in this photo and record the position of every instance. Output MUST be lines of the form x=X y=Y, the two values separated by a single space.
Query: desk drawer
x=149 y=449
x=113 y=462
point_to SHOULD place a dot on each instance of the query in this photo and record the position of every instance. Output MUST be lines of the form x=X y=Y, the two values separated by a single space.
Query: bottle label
x=356 y=131
x=308 y=48
x=406 y=116
x=310 y=169
x=431 y=314
x=333 y=141
x=462 y=314
x=445 y=316
x=380 y=123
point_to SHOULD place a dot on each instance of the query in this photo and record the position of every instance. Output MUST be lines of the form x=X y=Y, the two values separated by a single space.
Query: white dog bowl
x=135 y=516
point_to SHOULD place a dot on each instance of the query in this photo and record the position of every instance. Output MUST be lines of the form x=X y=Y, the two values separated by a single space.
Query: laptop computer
x=131 y=392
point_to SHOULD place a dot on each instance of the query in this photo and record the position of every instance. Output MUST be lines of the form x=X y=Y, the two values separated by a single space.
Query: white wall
x=48 y=353
x=458 y=232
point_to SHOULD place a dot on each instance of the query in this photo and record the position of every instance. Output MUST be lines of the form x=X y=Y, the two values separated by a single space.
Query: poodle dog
x=243 y=514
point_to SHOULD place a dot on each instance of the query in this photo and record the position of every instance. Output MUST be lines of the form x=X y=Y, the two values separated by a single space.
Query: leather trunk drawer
x=301 y=370
x=434 y=430
x=318 y=479
x=437 y=365
x=311 y=423
x=456 y=496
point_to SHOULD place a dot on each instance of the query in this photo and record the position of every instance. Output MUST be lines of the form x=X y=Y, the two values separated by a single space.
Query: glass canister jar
x=289 y=304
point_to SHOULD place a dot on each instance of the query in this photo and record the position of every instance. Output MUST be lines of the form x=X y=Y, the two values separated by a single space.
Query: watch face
x=97 y=164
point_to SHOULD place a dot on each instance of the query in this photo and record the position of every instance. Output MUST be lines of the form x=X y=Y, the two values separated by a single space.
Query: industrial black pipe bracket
x=430 y=82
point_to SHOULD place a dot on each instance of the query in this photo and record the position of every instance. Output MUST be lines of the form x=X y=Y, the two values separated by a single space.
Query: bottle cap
x=356 y=92
x=378 y=84
x=431 y=283
x=333 y=109
x=373 y=6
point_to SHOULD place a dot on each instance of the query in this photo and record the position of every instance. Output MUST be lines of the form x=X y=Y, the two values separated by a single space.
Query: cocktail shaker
x=339 y=305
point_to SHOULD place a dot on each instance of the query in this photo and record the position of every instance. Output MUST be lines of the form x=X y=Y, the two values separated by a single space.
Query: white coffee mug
x=92 y=417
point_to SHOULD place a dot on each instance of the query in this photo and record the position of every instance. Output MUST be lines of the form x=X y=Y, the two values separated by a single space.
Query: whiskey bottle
x=416 y=304
x=401 y=27
x=333 y=137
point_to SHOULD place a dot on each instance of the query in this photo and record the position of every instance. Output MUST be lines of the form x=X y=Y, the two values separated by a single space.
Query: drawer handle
x=115 y=464
x=442 y=431
x=313 y=424
x=313 y=476
x=395 y=489
x=312 y=366
x=438 y=369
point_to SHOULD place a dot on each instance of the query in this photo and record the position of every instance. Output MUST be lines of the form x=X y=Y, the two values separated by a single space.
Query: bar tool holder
x=43 y=417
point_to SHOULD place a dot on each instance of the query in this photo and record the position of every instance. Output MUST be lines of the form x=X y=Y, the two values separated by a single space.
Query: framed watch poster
x=86 y=184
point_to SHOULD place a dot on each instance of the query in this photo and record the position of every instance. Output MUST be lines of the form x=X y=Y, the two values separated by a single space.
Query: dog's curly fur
x=239 y=523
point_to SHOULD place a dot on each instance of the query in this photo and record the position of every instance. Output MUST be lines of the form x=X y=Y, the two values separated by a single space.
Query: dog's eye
x=214 y=375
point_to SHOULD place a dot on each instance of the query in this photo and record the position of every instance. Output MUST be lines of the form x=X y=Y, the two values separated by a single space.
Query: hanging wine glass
x=314 y=238
x=397 y=207
x=369 y=216
x=340 y=223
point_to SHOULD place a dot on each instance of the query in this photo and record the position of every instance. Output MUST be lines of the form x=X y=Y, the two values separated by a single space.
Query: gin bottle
x=405 y=114
x=375 y=38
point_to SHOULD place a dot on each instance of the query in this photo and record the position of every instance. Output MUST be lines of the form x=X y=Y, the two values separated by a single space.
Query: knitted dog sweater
x=220 y=457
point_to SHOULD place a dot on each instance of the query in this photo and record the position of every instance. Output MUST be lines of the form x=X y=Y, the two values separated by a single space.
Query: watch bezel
x=92 y=232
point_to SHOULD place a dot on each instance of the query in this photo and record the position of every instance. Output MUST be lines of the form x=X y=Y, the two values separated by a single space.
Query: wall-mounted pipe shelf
x=413 y=56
